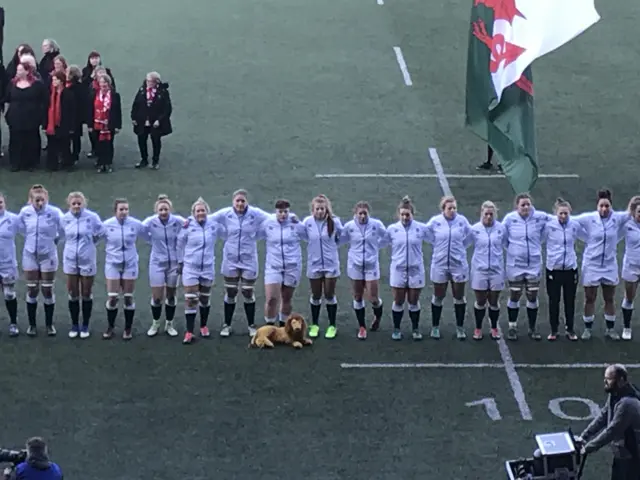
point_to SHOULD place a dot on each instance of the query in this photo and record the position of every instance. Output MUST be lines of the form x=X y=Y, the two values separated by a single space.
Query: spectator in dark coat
x=50 y=50
x=61 y=120
x=104 y=120
x=26 y=113
x=74 y=84
x=22 y=49
x=151 y=117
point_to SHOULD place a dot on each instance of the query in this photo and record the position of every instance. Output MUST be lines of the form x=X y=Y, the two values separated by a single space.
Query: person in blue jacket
x=37 y=466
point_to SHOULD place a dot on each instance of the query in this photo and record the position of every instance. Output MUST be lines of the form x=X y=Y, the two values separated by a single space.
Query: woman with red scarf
x=104 y=120
x=26 y=98
x=60 y=122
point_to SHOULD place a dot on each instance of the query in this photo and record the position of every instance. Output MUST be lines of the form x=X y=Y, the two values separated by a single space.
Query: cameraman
x=37 y=465
x=617 y=424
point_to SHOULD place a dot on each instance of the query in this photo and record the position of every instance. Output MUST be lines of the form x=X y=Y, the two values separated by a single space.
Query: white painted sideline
x=433 y=175
x=535 y=366
x=403 y=66
x=380 y=2
x=505 y=353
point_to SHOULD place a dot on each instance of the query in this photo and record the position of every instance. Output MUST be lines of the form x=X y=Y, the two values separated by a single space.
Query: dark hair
x=406 y=203
x=282 y=204
x=362 y=204
x=37 y=448
x=119 y=201
x=60 y=76
x=620 y=371
x=604 y=194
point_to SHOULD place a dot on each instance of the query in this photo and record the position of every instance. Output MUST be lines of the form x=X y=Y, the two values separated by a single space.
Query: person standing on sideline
x=487 y=164
x=151 y=117
x=105 y=122
x=121 y=264
x=74 y=86
x=323 y=263
x=631 y=265
x=196 y=249
x=50 y=50
x=241 y=224
x=26 y=100
x=61 y=120
x=525 y=231
x=365 y=236
x=37 y=466
x=10 y=226
x=448 y=232
x=489 y=239
x=90 y=75
x=406 y=272
x=604 y=229
x=42 y=226
x=164 y=228
x=82 y=229
x=561 y=232
x=282 y=234
x=617 y=424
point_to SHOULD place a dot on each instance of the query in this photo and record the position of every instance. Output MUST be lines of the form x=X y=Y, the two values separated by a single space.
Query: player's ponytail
x=324 y=200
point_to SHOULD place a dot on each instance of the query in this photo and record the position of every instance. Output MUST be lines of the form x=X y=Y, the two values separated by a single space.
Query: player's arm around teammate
x=406 y=271
x=323 y=263
x=164 y=228
x=448 y=232
x=599 y=261
x=196 y=263
x=82 y=228
x=525 y=231
x=283 y=261
x=121 y=265
x=365 y=236
x=489 y=239
x=240 y=266
x=42 y=224
x=631 y=265
x=561 y=233
x=10 y=226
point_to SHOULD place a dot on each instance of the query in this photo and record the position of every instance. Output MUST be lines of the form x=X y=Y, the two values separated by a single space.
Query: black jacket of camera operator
x=617 y=424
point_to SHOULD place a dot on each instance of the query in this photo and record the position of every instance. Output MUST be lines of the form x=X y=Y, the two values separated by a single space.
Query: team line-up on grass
x=185 y=248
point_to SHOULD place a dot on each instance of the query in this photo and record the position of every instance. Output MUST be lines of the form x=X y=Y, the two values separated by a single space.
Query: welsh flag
x=506 y=36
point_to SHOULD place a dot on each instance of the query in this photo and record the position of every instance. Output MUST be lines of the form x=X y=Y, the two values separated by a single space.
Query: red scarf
x=54 y=115
x=101 y=110
x=151 y=94
x=95 y=85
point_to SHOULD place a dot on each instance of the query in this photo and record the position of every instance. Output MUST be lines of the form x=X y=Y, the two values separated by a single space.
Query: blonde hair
x=634 y=203
x=487 y=205
x=106 y=78
x=561 y=203
x=38 y=188
x=79 y=195
x=446 y=199
x=324 y=200
x=162 y=198
x=199 y=201
x=362 y=204
x=29 y=60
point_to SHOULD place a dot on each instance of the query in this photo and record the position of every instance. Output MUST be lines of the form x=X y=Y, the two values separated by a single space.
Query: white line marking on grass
x=432 y=175
x=507 y=359
x=403 y=66
x=380 y=2
x=535 y=366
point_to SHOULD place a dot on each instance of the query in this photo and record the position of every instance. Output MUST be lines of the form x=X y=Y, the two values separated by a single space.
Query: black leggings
x=625 y=469
x=24 y=148
x=562 y=283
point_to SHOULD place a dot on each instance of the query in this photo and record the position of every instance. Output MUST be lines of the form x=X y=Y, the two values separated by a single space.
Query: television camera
x=12 y=456
x=557 y=457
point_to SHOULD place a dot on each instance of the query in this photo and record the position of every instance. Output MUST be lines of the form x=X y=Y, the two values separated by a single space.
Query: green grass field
x=268 y=96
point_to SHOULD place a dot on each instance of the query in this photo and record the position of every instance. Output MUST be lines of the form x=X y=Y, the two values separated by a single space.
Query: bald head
x=615 y=376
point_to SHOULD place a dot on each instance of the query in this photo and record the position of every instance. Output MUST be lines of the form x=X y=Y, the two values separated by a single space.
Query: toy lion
x=293 y=333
